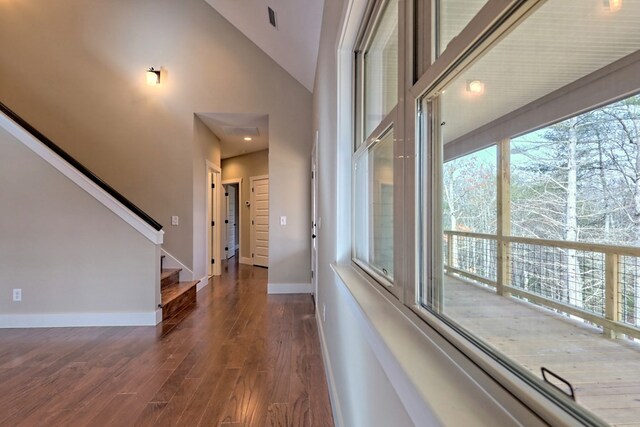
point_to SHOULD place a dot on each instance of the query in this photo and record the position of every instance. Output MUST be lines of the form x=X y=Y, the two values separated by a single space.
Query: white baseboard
x=246 y=260
x=290 y=288
x=333 y=389
x=186 y=275
x=202 y=284
x=158 y=316
x=69 y=320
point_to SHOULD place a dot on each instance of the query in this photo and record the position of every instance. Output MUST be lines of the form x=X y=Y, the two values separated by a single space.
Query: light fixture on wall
x=247 y=138
x=153 y=76
x=475 y=87
x=613 y=5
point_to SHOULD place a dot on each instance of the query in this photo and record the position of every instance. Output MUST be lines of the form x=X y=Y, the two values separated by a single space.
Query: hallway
x=240 y=357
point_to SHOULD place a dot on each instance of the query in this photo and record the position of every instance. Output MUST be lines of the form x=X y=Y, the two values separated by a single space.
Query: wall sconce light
x=475 y=87
x=247 y=138
x=613 y=5
x=153 y=76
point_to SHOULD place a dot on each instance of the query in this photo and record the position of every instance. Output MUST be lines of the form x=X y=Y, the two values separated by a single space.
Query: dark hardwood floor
x=237 y=358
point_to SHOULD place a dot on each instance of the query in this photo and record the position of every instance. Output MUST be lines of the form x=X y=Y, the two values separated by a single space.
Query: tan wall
x=358 y=377
x=64 y=249
x=244 y=167
x=75 y=69
x=207 y=146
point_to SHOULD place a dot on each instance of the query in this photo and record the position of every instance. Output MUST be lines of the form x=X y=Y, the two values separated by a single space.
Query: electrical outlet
x=17 y=295
x=324 y=313
x=175 y=220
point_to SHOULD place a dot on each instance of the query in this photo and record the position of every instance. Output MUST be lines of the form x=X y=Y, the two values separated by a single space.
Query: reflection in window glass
x=374 y=207
x=454 y=16
x=381 y=69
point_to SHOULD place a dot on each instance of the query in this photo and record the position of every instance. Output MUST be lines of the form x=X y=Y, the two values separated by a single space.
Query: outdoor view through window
x=539 y=203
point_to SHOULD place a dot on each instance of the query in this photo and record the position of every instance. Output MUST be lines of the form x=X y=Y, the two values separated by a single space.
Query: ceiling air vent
x=272 y=17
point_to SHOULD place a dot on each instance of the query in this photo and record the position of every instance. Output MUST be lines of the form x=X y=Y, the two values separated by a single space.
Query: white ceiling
x=232 y=128
x=561 y=42
x=294 y=44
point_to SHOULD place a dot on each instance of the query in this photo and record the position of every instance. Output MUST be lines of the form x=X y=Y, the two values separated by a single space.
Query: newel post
x=504 y=217
x=611 y=293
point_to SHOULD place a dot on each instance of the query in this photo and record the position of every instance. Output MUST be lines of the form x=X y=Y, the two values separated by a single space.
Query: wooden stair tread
x=171 y=292
x=166 y=272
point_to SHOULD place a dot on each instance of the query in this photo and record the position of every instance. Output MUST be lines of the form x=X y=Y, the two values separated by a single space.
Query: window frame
x=363 y=143
x=419 y=81
x=425 y=94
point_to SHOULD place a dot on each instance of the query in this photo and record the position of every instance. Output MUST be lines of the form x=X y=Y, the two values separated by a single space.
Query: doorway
x=314 y=216
x=213 y=255
x=260 y=220
x=232 y=219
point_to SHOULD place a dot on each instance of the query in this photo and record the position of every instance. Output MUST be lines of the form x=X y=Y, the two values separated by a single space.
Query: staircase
x=176 y=295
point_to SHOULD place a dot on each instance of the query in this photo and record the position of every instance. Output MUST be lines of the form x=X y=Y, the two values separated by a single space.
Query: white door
x=260 y=220
x=230 y=221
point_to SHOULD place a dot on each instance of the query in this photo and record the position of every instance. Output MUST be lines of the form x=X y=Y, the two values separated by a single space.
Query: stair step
x=169 y=276
x=177 y=296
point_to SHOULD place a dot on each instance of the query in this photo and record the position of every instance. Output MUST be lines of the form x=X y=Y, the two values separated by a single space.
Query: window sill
x=437 y=383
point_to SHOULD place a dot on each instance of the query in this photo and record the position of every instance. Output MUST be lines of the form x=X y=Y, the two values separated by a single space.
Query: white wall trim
x=290 y=288
x=213 y=247
x=328 y=370
x=79 y=179
x=246 y=260
x=68 y=320
x=186 y=275
x=204 y=282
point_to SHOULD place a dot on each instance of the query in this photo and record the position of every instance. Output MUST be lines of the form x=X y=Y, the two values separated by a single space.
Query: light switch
x=283 y=220
x=174 y=220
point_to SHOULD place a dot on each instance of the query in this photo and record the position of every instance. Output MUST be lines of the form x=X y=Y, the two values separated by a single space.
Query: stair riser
x=184 y=300
x=170 y=280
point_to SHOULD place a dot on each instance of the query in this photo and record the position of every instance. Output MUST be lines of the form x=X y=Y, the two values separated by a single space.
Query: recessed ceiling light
x=246 y=138
x=475 y=86
x=613 y=5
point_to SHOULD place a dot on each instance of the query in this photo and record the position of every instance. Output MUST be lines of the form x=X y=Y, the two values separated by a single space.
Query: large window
x=373 y=170
x=499 y=197
x=374 y=207
x=529 y=205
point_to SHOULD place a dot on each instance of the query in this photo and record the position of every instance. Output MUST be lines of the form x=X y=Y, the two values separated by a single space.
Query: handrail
x=610 y=319
x=80 y=167
x=564 y=244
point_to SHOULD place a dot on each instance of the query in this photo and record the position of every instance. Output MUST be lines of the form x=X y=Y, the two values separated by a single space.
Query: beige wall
x=364 y=393
x=75 y=69
x=206 y=146
x=65 y=250
x=244 y=167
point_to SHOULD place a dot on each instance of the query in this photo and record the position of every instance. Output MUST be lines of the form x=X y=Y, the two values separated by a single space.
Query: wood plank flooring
x=605 y=373
x=240 y=357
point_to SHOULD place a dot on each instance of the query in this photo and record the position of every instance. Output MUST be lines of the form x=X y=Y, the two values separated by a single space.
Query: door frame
x=252 y=179
x=314 y=216
x=214 y=213
x=239 y=197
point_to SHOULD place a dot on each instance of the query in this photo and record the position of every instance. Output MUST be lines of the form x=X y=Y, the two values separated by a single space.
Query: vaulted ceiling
x=293 y=44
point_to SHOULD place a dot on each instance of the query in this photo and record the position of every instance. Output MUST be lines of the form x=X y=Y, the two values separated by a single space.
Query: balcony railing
x=595 y=282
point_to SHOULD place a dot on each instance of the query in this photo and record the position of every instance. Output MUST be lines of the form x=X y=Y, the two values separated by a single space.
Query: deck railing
x=598 y=283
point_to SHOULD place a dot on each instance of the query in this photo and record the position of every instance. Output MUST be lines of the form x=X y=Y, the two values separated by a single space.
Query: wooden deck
x=604 y=372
